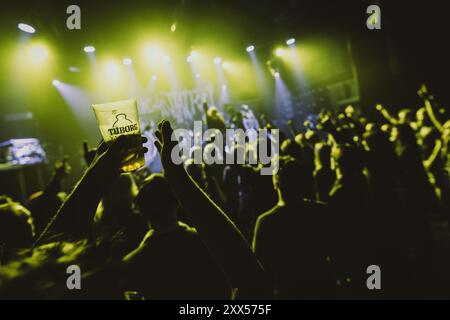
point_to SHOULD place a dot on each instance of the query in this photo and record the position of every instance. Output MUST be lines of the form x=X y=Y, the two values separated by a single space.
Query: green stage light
x=89 y=49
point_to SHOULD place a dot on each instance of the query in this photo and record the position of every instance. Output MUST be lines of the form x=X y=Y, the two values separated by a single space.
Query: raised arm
x=385 y=113
x=76 y=215
x=427 y=98
x=432 y=116
x=224 y=241
x=292 y=128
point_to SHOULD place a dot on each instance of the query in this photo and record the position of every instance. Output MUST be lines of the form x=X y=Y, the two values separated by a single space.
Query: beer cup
x=121 y=118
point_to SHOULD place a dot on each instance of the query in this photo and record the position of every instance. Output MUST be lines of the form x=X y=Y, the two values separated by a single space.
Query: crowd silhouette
x=350 y=192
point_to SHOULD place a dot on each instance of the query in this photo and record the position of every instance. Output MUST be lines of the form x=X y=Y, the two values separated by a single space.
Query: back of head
x=16 y=224
x=157 y=202
x=406 y=135
x=292 y=179
x=348 y=159
x=124 y=188
x=119 y=200
x=291 y=148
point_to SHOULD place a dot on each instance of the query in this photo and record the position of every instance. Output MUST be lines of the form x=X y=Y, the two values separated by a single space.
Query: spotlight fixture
x=290 y=41
x=89 y=49
x=26 y=28
x=74 y=69
x=250 y=48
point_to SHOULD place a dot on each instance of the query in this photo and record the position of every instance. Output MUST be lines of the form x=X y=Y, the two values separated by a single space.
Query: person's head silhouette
x=157 y=202
x=292 y=181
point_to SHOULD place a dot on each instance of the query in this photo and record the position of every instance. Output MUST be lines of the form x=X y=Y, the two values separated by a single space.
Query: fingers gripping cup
x=121 y=118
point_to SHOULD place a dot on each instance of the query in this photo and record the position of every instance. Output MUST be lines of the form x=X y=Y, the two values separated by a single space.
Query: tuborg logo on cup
x=122 y=125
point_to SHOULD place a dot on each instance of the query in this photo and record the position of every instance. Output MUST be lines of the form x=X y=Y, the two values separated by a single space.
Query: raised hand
x=224 y=241
x=75 y=217
x=109 y=159
x=166 y=144
x=88 y=153
x=62 y=168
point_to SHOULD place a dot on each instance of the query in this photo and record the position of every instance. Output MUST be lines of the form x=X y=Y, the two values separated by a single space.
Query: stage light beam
x=112 y=69
x=226 y=65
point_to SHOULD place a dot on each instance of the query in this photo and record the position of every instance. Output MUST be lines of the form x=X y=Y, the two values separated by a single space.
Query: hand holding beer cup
x=109 y=158
x=120 y=118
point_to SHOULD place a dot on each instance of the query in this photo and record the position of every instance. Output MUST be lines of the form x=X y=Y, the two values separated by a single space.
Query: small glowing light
x=250 y=48
x=154 y=77
x=197 y=75
x=217 y=60
x=74 y=69
x=279 y=52
x=167 y=59
x=56 y=83
x=127 y=61
x=290 y=41
x=26 y=28
x=224 y=87
x=89 y=49
x=173 y=27
x=189 y=59
x=276 y=74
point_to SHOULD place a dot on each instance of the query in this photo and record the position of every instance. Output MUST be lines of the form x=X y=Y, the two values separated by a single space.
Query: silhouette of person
x=171 y=262
x=291 y=239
